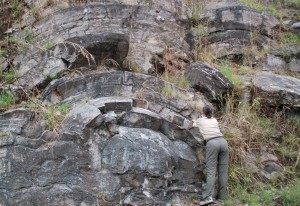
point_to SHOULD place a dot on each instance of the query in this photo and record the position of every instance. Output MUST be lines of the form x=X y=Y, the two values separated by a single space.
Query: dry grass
x=172 y=63
x=245 y=128
x=79 y=50
x=107 y=64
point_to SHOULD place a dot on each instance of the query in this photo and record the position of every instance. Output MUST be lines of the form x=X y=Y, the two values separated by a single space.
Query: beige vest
x=209 y=127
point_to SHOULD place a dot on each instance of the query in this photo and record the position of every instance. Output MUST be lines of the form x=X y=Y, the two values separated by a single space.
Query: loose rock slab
x=276 y=90
x=208 y=80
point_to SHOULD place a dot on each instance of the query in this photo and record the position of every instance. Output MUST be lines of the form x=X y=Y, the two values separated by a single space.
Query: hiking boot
x=206 y=201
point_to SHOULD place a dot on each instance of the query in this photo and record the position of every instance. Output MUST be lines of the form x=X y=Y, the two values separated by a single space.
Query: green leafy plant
x=290 y=195
x=273 y=10
x=64 y=108
x=294 y=3
x=16 y=7
x=36 y=12
x=196 y=8
x=12 y=40
x=28 y=35
x=201 y=30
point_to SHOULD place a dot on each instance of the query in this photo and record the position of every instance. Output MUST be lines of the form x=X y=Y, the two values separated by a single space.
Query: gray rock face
x=294 y=65
x=123 y=84
x=296 y=27
x=79 y=118
x=139 y=150
x=106 y=31
x=40 y=73
x=284 y=58
x=288 y=51
x=102 y=46
x=105 y=149
x=208 y=80
x=274 y=63
x=276 y=91
x=14 y=121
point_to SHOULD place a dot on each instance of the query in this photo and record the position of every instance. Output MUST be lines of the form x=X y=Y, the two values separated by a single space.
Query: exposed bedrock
x=111 y=32
x=276 y=90
x=122 y=154
x=285 y=58
x=233 y=26
x=178 y=7
x=145 y=90
x=123 y=142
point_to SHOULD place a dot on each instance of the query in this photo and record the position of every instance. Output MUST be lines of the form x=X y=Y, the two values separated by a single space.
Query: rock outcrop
x=276 y=90
x=286 y=58
x=232 y=27
x=208 y=80
x=109 y=32
x=127 y=138
x=120 y=154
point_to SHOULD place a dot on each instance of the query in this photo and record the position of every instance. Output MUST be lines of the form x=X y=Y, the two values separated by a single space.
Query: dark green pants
x=216 y=156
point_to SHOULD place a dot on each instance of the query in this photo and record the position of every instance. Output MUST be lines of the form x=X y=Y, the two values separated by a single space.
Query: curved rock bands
x=83 y=24
x=124 y=153
x=126 y=84
x=104 y=46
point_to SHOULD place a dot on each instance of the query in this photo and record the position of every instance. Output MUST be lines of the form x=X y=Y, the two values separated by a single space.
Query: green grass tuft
x=179 y=81
x=6 y=100
x=289 y=37
x=254 y=4
x=10 y=77
x=227 y=71
x=64 y=108
x=169 y=92
x=290 y=195
x=49 y=45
